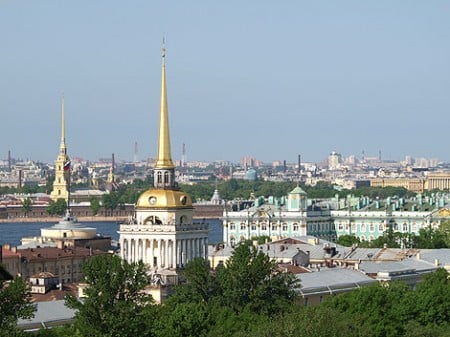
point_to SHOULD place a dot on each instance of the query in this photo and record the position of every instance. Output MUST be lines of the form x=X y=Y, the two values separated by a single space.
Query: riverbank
x=58 y=218
x=118 y=219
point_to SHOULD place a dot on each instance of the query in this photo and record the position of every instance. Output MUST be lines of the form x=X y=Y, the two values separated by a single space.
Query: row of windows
x=283 y=227
x=264 y=227
x=381 y=227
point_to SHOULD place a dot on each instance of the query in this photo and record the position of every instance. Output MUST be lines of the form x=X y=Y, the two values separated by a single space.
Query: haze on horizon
x=259 y=78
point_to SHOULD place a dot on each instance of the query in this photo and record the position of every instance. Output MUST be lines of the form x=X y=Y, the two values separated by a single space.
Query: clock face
x=152 y=200
x=183 y=200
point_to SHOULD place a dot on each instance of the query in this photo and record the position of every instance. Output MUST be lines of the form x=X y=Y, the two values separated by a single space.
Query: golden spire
x=164 y=158
x=62 y=147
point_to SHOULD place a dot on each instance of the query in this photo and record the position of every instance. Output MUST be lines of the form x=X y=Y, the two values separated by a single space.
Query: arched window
x=159 y=179
x=166 y=178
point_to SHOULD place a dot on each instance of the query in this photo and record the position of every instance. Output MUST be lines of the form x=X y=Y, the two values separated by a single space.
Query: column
x=160 y=253
x=151 y=244
x=166 y=253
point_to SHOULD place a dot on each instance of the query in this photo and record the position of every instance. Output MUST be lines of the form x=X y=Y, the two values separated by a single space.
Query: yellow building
x=438 y=181
x=62 y=166
x=411 y=184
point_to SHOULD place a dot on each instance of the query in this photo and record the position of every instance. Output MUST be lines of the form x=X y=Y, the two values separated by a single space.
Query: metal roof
x=48 y=314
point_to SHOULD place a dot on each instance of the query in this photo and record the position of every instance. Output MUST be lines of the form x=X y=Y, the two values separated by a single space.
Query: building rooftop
x=332 y=281
x=48 y=314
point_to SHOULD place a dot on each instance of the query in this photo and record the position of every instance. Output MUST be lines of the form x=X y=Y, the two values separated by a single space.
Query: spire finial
x=164 y=159
x=63 y=129
x=163 y=48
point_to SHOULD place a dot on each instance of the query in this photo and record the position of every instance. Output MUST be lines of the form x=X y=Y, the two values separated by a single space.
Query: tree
x=250 y=280
x=57 y=207
x=347 y=240
x=430 y=238
x=95 y=205
x=27 y=206
x=15 y=302
x=432 y=304
x=110 y=201
x=444 y=228
x=115 y=305
x=376 y=310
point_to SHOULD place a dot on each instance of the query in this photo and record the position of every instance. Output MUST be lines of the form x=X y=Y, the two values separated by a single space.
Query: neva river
x=12 y=232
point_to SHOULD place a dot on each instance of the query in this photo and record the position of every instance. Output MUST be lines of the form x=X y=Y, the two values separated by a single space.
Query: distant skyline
x=245 y=78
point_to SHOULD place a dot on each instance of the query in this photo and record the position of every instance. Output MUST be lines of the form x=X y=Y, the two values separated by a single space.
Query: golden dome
x=159 y=198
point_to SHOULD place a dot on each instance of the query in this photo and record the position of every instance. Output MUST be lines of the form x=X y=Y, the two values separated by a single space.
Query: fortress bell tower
x=62 y=166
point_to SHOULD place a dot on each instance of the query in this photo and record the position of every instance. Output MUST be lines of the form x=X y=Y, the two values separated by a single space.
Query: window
x=232 y=226
x=380 y=227
x=263 y=227
x=371 y=227
x=253 y=227
x=353 y=227
x=285 y=227
x=295 y=227
x=363 y=227
x=242 y=227
x=274 y=227
x=166 y=178
x=405 y=227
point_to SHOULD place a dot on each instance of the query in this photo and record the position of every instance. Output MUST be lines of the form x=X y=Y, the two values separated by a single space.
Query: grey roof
x=411 y=265
x=430 y=255
x=360 y=253
x=220 y=251
x=332 y=280
x=49 y=314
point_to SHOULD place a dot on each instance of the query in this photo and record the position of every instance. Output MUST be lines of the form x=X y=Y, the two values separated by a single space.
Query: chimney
x=436 y=262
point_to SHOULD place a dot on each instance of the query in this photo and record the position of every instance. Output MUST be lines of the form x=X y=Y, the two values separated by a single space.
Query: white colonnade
x=163 y=253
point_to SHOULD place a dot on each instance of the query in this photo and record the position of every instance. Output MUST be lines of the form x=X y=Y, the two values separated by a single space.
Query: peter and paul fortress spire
x=62 y=165
x=62 y=146
x=164 y=167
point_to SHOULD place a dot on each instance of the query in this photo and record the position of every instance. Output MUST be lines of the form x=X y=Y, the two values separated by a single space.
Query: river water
x=12 y=232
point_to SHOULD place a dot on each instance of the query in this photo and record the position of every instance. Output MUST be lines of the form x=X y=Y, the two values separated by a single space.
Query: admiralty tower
x=62 y=166
x=162 y=232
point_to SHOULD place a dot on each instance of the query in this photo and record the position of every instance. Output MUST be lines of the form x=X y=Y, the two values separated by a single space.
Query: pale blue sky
x=271 y=79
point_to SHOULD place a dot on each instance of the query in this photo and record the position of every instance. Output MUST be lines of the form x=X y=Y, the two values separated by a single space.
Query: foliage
x=15 y=302
x=347 y=240
x=444 y=228
x=27 y=206
x=250 y=280
x=398 y=310
x=110 y=201
x=57 y=207
x=115 y=304
x=95 y=205
x=430 y=238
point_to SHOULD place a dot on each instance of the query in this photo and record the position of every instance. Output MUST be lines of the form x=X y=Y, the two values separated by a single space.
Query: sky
x=268 y=79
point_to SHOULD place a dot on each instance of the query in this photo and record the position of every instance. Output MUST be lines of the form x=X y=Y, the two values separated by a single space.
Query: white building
x=162 y=232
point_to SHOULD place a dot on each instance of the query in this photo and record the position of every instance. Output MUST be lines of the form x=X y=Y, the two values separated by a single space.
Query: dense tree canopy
x=15 y=302
x=115 y=305
x=57 y=207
